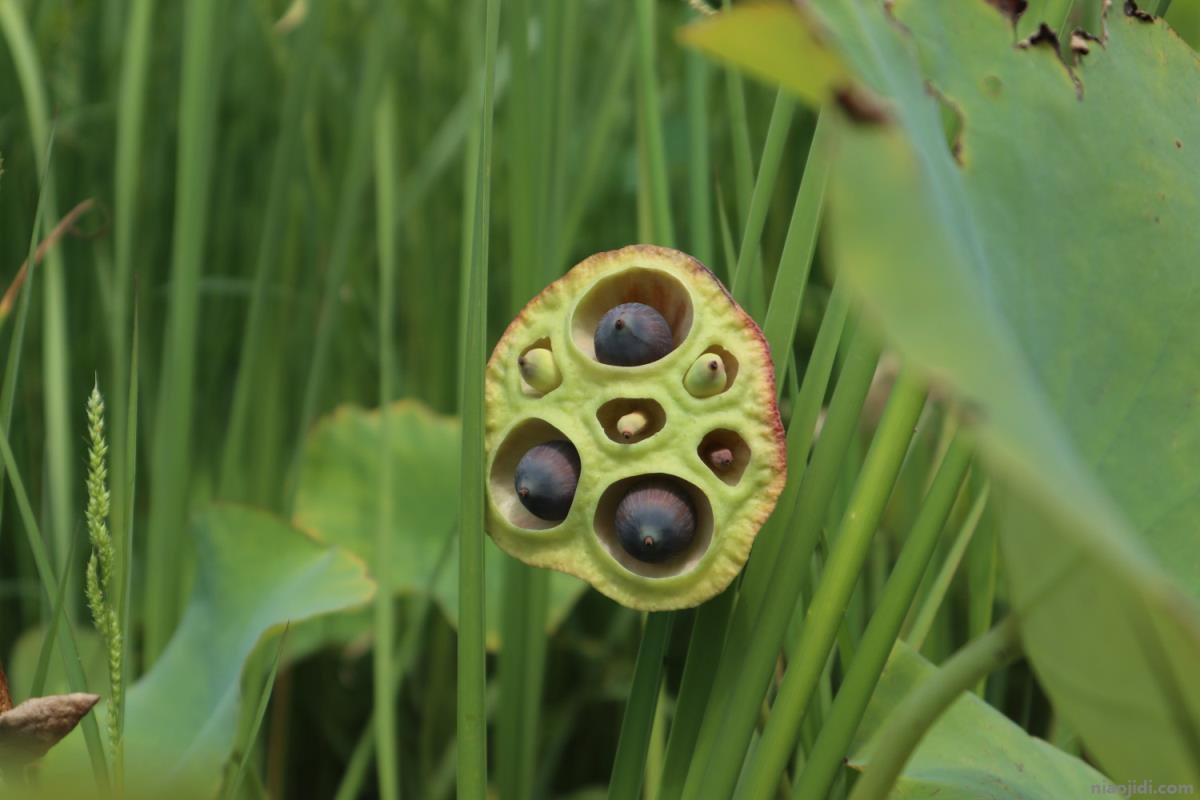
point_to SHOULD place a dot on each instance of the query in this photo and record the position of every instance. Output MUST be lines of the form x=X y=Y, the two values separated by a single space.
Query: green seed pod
x=539 y=369
x=632 y=424
x=702 y=529
x=706 y=377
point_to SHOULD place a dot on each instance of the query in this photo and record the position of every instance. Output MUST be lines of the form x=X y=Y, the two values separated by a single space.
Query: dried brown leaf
x=33 y=727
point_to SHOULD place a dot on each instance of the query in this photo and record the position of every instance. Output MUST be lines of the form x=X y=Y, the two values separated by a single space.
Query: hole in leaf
x=952 y=121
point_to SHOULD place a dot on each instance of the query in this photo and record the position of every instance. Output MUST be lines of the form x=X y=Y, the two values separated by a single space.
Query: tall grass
x=301 y=205
x=472 y=668
x=172 y=443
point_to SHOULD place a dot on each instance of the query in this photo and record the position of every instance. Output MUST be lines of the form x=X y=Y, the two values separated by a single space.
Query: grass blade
x=787 y=295
x=825 y=758
x=57 y=390
x=805 y=411
x=172 y=448
x=472 y=664
x=260 y=713
x=8 y=394
x=699 y=672
x=838 y=579
x=923 y=622
x=630 y=763
x=254 y=346
x=760 y=198
x=651 y=120
x=131 y=102
x=385 y=200
x=38 y=687
x=748 y=661
x=127 y=485
x=600 y=141
x=700 y=203
x=347 y=225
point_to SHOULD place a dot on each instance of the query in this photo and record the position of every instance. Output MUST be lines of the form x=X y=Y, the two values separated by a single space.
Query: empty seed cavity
x=538 y=369
x=656 y=526
x=534 y=475
x=631 y=420
x=632 y=318
x=726 y=453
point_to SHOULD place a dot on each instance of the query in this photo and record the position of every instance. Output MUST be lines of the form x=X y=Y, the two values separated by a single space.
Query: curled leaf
x=33 y=727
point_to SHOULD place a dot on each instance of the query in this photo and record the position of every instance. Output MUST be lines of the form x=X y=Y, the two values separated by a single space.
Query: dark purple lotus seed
x=632 y=334
x=546 y=479
x=655 y=520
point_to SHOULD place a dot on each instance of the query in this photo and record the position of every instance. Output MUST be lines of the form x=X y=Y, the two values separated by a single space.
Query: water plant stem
x=825 y=757
x=56 y=392
x=757 y=630
x=795 y=263
x=171 y=454
x=923 y=621
x=760 y=198
x=636 y=726
x=651 y=121
x=828 y=606
x=385 y=199
x=472 y=662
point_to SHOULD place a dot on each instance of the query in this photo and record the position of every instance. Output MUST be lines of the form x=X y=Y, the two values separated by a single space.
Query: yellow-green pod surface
x=682 y=430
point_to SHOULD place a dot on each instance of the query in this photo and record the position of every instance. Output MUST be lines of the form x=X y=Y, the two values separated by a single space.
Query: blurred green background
x=232 y=154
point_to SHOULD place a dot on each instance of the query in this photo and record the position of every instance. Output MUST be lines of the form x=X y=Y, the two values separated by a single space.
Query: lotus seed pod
x=721 y=458
x=706 y=377
x=632 y=424
x=632 y=334
x=546 y=478
x=655 y=520
x=539 y=369
x=702 y=525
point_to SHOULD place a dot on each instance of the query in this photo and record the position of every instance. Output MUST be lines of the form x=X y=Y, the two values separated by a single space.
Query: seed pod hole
x=538 y=370
x=673 y=514
x=534 y=474
x=634 y=317
x=712 y=373
x=631 y=420
x=726 y=453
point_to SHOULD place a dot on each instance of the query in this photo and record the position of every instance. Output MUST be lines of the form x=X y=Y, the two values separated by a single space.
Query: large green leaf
x=973 y=752
x=338 y=500
x=254 y=573
x=1047 y=282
